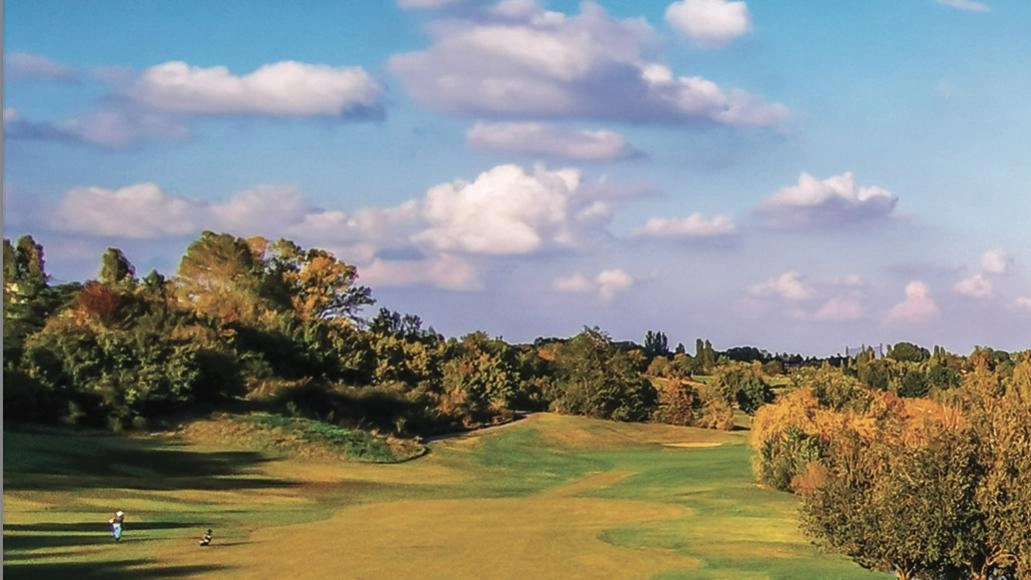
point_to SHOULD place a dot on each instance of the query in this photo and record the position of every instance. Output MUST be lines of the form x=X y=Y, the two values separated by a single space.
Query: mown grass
x=547 y=497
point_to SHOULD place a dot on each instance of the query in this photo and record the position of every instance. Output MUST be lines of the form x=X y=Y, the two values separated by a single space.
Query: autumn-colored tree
x=679 y=403
x=219 y=277
x=833 y=388
x=100 y=302
x=900 y=502
x=317 y=283
x=481 y=377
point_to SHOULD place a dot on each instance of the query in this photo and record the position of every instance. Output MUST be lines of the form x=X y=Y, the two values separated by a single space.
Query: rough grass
x=306 y=437
x=546 y=497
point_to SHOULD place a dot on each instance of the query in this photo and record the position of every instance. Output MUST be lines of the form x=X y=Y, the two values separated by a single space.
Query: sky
x=795 y=176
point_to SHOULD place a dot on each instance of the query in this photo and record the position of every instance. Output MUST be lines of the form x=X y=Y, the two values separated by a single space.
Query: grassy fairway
x=548 y=497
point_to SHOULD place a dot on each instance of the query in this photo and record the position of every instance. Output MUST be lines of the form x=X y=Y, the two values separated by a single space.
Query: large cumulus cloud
x=533 y=63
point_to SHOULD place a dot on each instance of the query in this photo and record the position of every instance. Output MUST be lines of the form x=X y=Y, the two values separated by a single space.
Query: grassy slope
x=549 y=497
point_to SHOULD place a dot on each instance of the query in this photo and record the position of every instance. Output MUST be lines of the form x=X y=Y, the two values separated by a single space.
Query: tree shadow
x=139 y=568
x=68 y=460
x=88 y=527
x=76 y=534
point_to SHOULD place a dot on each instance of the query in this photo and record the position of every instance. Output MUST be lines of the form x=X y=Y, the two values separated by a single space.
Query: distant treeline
x=275 y=323
x=285 y=326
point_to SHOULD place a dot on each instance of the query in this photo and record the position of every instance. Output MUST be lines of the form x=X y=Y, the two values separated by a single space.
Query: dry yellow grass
x=553 y=536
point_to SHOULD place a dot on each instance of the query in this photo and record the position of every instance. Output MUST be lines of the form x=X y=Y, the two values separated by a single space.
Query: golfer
x=116 y=525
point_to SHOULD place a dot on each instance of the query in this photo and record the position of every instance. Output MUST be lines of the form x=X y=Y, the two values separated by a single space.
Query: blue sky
x=795 y=176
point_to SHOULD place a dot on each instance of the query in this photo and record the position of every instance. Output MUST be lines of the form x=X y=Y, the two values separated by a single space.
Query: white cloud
x=548 y=140
x=975 y=286
x=264 y=210
x=506 y=210
x=1023 y=302
x=10 y=115
x=612 y=282
x=840 y=308
x=575 y=283
x=710 y=23
x=25 y=65
x=693 y=226
x=788 y=286
x=995 y=261
x=918 y=305
x=832 y=201
x=538 y=64
x=442 y=271
x=607 y=284
x=137 y=211
x=388 y=226
x=144 y=211
x=284 y=89
x=965 y=5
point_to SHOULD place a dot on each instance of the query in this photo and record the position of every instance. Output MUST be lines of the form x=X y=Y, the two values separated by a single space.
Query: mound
x=298 y=437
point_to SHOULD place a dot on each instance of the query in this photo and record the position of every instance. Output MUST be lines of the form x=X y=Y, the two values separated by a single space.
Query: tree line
x=270 y=322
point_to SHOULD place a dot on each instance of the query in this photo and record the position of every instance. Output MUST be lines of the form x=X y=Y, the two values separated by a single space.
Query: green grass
x=353 y=444
x=547 y=497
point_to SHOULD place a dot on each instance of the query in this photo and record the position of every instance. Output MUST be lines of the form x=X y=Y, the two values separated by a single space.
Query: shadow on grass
x=75 y=534
x=68 y=460
x=93 y=526
x=120 y=569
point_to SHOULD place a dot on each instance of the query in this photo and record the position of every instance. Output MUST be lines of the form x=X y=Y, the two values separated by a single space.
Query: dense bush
x=907 y=485
x=596 y=379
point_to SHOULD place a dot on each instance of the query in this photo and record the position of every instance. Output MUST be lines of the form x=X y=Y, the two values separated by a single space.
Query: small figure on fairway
x=116 y=524
x=206 y=539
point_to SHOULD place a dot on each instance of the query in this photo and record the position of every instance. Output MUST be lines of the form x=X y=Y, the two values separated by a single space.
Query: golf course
x=548 y=496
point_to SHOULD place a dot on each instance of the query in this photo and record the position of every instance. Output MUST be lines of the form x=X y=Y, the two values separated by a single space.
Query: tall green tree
x=596 y=379
x=655 y=344
x=116 y=270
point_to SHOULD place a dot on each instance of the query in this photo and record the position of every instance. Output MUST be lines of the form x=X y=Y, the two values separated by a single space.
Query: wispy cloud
x=26 y=65
x=550 y=141
x=975 y=286
x=965 y=5
x=693 y=226
x=607 y=284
